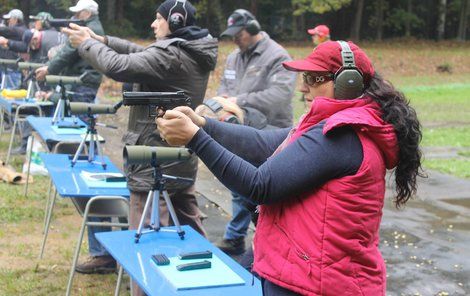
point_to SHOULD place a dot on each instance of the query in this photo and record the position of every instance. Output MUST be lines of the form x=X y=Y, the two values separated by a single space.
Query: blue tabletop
x=67 y=179
x=43 y=126
x=10 y=105
x=136 y=260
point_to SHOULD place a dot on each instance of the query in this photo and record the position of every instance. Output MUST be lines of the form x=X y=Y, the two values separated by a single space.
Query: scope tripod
x=153 y=197
x=61 y=108
x=92 y=134
x=33 y=84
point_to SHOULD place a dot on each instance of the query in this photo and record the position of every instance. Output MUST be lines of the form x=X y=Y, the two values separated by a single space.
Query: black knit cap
x=165 y=7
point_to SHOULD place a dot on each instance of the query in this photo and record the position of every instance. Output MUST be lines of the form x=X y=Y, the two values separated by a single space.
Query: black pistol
x=64 y=23
x=156 y=100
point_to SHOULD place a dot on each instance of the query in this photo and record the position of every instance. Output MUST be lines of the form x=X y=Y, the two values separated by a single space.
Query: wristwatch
x=216 y=107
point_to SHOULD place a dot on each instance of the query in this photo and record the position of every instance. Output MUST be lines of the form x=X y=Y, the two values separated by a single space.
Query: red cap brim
x=312 y=31
x=303 y=66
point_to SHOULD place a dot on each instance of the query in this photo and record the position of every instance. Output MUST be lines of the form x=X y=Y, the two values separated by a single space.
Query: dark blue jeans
x=242 y=209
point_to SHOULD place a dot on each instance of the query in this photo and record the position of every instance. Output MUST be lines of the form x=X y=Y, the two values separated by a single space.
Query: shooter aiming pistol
x=156 y=100
x=60 y=23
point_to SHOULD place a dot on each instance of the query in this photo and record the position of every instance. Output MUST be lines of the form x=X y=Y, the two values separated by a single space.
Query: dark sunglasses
x=311 y=79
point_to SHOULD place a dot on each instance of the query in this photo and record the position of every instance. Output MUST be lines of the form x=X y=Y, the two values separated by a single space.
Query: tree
x=441 y=19
x=463 y=20
x=356 y=26
x=110 y=10
x=378 y=20
x=409 y=11
x=318 y=6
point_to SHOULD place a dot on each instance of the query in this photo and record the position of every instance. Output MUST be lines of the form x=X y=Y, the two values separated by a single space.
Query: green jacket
x=69 y=63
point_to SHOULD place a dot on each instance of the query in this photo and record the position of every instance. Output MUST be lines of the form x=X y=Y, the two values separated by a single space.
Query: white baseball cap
x=84 y=5
x=14 y=13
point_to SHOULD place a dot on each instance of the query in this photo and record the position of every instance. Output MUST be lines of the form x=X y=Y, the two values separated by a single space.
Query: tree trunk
x=110 y=10
x=409 y=10
x=119 y=9
x=441 y=19
x=356 y=27
x=379 y=14
x=254 y=7
x=294 y=23
x=462 y=32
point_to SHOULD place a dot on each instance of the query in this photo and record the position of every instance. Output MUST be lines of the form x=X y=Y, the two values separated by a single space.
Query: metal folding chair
x=20 y=118
x=100 y=207
x=59 y=148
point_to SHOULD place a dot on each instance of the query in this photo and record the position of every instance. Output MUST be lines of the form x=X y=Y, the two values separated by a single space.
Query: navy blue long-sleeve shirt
x=248 y=166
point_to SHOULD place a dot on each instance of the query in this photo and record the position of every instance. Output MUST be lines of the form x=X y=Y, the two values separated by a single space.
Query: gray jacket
x=166 y=65
x=258 y=80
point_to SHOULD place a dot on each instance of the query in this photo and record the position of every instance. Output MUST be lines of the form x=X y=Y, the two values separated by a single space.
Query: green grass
x=454 y=166
x=441 y=104
x=458 y=136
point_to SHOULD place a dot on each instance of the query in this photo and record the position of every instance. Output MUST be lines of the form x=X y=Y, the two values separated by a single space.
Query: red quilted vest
x=325 y=241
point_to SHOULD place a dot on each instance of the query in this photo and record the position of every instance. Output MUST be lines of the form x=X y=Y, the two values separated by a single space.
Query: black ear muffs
x=252 y=25
x=349 y=83
x=177 y=20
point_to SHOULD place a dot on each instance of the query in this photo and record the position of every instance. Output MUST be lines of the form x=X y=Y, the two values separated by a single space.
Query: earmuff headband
x=347 y=55
x=183 y=3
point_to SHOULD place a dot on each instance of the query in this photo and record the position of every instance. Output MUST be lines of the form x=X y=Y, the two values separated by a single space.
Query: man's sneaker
x=232 y=246
x=18 y=151
x=101 y=264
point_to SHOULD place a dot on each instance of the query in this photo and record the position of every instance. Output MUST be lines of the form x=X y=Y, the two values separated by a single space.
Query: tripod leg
x=155 y=216
x=100 y=150
x=169 y=205
x=57 y=111
x=91 y=143
x=79 y=150
x=138 y=234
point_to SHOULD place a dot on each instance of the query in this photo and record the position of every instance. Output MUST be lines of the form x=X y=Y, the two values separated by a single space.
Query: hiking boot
x=232 y=246
x=101 y=264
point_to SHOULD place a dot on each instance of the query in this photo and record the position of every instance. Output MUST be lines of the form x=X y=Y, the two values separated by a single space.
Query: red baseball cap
x=326 y=57
x=320 y=30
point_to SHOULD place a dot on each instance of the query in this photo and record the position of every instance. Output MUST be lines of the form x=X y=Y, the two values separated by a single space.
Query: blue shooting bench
x=136 y=260
x=104 y=202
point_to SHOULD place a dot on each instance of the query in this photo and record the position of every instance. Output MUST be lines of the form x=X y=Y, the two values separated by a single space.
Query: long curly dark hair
x=398 y=112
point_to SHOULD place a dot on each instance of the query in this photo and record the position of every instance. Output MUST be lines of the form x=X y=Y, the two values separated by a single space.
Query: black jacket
x=13 y=33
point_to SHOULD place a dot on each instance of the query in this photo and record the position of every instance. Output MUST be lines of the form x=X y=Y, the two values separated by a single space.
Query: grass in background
x=453 y=166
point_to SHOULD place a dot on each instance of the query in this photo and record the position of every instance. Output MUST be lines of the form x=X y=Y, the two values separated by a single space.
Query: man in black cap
x=254 y=78
x=180 y=59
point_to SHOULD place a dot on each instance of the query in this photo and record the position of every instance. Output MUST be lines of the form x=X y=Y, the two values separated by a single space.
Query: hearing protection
x=177 y=20
x=252 y=26
x=349 y=83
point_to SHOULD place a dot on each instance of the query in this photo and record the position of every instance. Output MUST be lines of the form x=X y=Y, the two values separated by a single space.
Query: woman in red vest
x=320 y=185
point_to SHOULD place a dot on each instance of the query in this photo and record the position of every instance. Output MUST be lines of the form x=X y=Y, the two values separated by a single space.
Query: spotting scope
x=29 y=66
x=77 y=108
x=62 y=80
x=9 y=63
x=158 y=155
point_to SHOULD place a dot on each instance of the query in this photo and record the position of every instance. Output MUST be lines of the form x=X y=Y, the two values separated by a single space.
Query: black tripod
x=153 y=197
x=61 y=108
x=92 y=135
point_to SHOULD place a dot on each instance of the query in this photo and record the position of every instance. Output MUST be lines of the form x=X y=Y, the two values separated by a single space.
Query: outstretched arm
x=306 y=163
